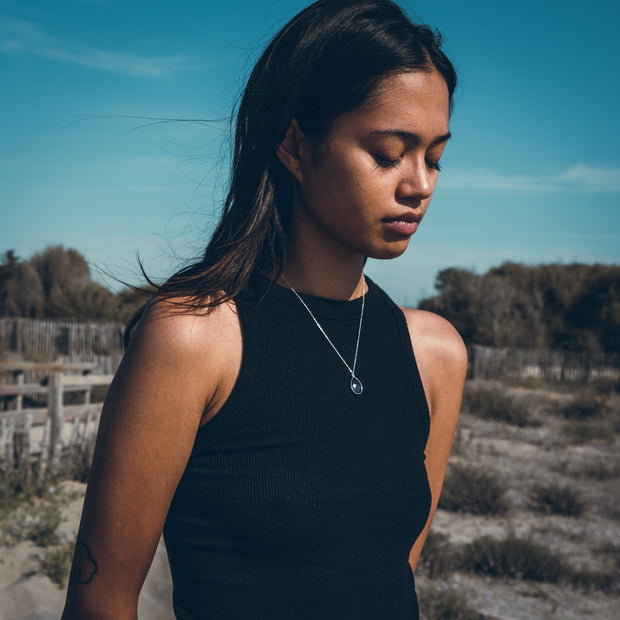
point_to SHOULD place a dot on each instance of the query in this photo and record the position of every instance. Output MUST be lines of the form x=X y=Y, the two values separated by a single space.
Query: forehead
x=416 y=101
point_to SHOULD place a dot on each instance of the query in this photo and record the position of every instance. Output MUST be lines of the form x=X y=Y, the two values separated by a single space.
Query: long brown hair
x=327 y=60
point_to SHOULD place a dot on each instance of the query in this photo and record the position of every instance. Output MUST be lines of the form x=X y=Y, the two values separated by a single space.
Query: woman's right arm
x=178 y=370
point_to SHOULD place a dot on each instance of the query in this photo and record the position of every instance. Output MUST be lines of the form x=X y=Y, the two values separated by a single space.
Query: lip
x=403 y=224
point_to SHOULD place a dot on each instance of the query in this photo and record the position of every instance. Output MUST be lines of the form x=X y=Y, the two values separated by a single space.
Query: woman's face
x=366 y=187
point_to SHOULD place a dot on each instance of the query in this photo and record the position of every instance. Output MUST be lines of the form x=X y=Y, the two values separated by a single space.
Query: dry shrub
x=600 y=471
x=514 y=557
x=76 y=461
x=522 y=558
x=585 y=579
x=557 y=499
x=56 y=564
x=579 y=432
x=585 y=405
x=605 y=386
x=444 y=602
x=493 y=403
x=473 y=490
x=438 y=558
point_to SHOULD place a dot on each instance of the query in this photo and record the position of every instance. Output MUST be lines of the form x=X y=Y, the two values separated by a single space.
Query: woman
x=269 y=415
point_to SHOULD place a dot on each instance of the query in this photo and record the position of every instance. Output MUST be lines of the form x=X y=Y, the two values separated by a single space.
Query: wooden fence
x=46 y=431
x=42 y=339
x=552 y=366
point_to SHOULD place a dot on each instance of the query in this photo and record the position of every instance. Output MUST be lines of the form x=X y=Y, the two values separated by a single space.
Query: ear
x=291 y=150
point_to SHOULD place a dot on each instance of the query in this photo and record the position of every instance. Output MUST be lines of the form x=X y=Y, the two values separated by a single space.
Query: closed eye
x=385 y=162
x=434 y=165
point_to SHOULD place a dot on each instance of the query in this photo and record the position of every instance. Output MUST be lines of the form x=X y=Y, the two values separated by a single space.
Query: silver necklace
x=356 y=385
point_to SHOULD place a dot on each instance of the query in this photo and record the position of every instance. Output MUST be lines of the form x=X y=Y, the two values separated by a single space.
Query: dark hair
x=327 y=60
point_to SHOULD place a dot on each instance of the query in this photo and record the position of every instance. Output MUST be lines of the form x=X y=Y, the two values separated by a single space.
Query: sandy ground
x=26 y=594
x=521 y=456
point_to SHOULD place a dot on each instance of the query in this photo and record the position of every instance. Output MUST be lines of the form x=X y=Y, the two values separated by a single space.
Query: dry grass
x=557 y=499
x=555 y=480
x=471 y=489
x=494 y=403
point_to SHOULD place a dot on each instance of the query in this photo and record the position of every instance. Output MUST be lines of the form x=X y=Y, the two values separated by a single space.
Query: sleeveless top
x=302 y=499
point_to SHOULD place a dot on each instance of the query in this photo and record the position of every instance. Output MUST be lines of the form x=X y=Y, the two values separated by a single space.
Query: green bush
x=473 y=490
x=446 y=603
x=557 y=499
x=514 y=557
x=493 y=403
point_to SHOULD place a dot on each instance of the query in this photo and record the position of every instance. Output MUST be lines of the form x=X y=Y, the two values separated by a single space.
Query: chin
x=393 y=250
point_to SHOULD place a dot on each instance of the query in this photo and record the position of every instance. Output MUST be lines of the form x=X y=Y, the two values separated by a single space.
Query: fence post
x=19 y=400
x=56 y=417
x=21 y=448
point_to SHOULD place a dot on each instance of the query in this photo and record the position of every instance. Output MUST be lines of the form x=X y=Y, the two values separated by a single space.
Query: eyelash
x=383 y=162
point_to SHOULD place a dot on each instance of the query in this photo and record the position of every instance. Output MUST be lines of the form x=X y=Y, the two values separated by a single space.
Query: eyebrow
x=412 y=137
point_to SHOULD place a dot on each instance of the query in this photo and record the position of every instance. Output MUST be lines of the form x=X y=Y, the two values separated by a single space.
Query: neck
x=320 y=266
x=316 y=277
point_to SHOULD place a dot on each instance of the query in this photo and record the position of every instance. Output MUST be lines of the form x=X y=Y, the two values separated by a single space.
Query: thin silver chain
x=359 y=329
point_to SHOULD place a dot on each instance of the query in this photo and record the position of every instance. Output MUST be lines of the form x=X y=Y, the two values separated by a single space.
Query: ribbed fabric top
x=302 y=500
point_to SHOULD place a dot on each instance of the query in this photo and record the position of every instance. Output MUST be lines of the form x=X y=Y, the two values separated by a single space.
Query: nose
x=417 y=182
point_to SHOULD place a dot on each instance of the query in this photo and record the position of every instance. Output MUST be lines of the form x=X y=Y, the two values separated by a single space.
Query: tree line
x=555 y=306
x=56 y=283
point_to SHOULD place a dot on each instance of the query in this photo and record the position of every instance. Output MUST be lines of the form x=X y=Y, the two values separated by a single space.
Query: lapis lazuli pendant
x=356 y=385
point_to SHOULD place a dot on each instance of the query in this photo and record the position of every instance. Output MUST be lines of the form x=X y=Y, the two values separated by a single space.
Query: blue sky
x=532 y=174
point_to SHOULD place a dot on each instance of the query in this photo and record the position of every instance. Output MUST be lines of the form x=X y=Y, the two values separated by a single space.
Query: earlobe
x=290 y=150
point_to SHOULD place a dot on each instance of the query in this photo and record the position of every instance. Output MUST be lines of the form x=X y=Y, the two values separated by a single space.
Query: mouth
x=407 y=216
x=404 y=224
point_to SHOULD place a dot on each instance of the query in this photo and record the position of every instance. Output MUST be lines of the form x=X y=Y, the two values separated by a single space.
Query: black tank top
x=301 y=500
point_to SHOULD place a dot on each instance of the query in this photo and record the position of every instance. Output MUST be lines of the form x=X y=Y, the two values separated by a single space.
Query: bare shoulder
x=439 y=350
x=199 y=350
x=434 y=333
x=168 y=330
x=167 y=323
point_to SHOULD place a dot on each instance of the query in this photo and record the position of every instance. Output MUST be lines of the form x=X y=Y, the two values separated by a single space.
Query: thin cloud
x=486 y=180
x=596 y=179
x=19 y=36
x=579 y=177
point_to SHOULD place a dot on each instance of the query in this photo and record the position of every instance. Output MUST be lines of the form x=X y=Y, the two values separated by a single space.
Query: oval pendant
x=356 y=385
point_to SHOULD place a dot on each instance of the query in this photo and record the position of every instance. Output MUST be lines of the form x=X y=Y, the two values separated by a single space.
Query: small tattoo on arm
x=84 y=567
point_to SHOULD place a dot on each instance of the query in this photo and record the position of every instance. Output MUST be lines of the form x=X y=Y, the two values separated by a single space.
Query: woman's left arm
x=442 y=361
